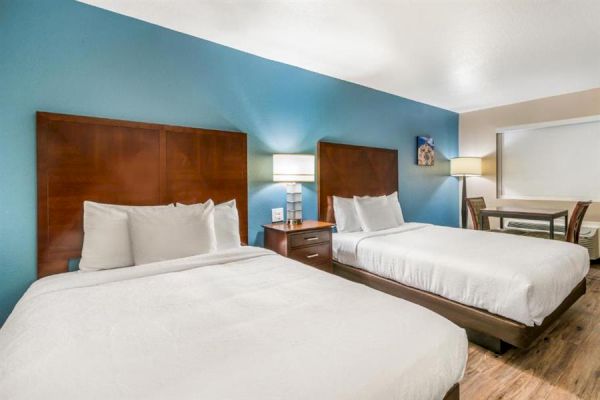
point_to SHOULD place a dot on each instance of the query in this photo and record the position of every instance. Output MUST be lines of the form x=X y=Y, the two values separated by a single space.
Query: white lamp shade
x=465 y=166
x=293 y=168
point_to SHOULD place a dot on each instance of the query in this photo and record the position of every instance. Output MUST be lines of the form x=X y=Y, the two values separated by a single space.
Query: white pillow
x=166 y=234
x=227 y=225
x=375 y=213
x=395 y=205
x=346 y=219
x=106 y=242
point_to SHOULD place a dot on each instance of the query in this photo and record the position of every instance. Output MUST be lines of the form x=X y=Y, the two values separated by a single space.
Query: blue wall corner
x=68 y=57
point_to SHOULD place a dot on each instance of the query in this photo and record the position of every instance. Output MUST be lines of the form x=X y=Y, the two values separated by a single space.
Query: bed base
x=488 y=342
x=491 y=331
x=453 y=393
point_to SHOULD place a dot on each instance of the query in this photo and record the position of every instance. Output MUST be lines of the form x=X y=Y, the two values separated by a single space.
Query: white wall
x=477 y=137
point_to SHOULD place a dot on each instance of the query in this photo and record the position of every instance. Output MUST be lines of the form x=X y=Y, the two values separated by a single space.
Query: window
x=557 y=160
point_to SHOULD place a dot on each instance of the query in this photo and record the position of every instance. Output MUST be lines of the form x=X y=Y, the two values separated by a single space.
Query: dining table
x=536 y=214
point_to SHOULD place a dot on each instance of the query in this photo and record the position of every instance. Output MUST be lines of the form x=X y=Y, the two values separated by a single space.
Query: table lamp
x=293 y=169
x=464 y=167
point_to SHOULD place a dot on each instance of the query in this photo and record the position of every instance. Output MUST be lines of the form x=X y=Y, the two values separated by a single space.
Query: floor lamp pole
x=463 y=209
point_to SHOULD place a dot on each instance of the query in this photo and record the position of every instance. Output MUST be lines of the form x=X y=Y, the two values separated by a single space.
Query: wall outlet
x=277 y=214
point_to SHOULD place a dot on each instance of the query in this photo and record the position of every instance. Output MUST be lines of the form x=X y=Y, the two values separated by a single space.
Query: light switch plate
x=277 y=214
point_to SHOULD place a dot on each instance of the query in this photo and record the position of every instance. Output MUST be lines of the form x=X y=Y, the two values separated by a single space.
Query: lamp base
x=294 y=203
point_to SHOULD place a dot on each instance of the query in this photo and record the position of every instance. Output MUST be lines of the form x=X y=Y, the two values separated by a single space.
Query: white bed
x=239 y=324
x=523 y=279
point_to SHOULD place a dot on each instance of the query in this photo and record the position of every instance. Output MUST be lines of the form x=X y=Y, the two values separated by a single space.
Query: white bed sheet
x=240 y=324
x=517 y=277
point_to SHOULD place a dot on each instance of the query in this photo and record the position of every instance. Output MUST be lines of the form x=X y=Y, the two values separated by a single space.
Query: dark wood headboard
x=345 y=170
x=132 y=163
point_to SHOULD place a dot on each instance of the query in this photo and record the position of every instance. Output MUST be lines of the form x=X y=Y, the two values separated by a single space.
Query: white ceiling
x=456 y=54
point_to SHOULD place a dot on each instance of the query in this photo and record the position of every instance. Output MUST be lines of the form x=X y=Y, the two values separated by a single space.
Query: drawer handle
x=312 y=255
x=312 y=238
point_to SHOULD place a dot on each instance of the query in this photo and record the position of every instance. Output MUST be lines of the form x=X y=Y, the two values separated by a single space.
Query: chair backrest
x=576 y=221
x=476 y=204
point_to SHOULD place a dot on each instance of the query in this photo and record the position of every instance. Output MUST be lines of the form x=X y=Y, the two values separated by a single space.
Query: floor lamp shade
x=463 y=167
x=293 y=169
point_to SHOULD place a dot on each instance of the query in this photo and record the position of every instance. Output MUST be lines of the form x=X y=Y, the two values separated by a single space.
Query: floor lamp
x=464 y=167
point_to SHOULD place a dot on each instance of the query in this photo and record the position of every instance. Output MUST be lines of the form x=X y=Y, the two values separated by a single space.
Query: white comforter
x=517 y=277
x=242 y=324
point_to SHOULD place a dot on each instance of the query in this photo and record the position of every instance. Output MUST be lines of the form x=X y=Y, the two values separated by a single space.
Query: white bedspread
x=517 y=277
x=241 y=324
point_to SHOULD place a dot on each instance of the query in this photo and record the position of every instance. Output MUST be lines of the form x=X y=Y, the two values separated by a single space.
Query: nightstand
x=308 y=242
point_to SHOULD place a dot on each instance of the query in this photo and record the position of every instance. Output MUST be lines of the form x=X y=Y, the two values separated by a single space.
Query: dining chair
x=573 y=228
x=475 y=205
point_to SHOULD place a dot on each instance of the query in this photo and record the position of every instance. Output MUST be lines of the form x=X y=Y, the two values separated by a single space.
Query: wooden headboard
x=132 y=163
x=345 y=170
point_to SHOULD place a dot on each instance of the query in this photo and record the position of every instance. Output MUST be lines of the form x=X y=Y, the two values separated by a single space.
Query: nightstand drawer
x=309 y=238
x=313 y=255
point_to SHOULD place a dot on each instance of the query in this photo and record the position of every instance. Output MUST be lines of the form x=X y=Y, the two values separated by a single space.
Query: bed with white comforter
x=521 y=278
x=239 y=324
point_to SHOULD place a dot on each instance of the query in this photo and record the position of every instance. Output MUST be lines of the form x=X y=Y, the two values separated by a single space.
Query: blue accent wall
x=63 y=56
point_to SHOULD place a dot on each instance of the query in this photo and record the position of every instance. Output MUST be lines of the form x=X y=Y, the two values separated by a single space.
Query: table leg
x=501 y=222
x=566 y=227
x=552 y=229
x=480 y=222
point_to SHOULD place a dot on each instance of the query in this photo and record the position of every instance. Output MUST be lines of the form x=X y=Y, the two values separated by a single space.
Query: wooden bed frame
x=453 y=393
x=346 y=170
x=132 y=163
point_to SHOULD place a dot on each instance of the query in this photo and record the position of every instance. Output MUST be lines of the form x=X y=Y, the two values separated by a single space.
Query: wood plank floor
x=563 y=364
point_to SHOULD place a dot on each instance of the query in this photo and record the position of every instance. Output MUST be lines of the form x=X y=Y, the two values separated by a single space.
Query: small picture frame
x=425 y=151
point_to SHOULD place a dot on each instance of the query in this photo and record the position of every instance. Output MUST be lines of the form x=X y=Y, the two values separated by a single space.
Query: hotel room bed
x=244 y=324
x=503 y=289
x=523 y=279
x=240 y=323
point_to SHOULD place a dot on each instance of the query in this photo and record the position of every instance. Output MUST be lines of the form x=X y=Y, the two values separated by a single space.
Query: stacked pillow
x=121 y=236
x=227 y=224
x=158 y=235
x=367 y=213
x=106 y=241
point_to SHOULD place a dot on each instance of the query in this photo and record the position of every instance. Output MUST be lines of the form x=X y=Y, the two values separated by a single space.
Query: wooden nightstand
x=308 y=242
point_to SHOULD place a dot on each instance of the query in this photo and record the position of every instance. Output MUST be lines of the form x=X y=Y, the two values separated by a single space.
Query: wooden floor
x=563 y=364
